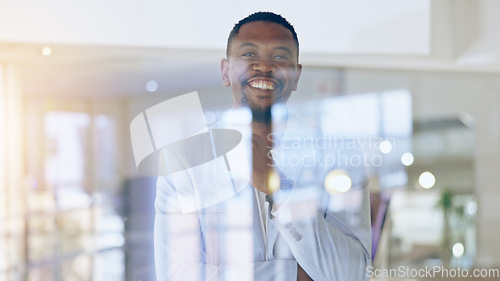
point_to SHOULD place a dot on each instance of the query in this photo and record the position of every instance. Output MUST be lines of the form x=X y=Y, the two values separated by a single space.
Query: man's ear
x=224 y=70
x=297 y=76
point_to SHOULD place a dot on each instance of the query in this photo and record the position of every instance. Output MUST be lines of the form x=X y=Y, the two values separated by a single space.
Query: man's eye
x=248 y=55
x=280 y=57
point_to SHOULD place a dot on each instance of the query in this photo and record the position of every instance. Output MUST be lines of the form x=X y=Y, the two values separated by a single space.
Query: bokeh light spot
x=458 y=250
x=385 y=146
x=152 y=86
x=427 y=180
x=46 y=51
x=337 y=181
x=407 y=159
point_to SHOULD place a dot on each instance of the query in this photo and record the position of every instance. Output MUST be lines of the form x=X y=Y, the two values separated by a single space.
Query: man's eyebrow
x=285 y=49
x=247 y=44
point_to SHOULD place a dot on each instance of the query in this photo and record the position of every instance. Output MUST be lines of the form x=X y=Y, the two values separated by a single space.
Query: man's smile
x=263 y=84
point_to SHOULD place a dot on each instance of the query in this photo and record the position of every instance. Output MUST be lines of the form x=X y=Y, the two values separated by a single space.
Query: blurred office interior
x=423 y=75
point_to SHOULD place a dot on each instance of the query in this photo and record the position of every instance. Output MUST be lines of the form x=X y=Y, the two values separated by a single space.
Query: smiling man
x=262 y=61
x=262 y=69
x=274 y=228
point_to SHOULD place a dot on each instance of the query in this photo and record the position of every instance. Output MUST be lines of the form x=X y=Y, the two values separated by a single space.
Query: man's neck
x=262 y=115
x=264 y=132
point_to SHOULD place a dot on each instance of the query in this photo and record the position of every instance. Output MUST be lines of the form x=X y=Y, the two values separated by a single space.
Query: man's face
x=262 y=65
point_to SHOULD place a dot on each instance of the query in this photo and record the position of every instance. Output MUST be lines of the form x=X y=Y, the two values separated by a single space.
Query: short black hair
x=262 y=16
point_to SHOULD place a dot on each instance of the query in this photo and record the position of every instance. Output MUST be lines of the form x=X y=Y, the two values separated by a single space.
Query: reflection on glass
x=432 y=221
x=63 y=233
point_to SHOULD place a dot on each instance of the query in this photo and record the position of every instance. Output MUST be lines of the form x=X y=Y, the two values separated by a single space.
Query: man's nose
x=264 y=65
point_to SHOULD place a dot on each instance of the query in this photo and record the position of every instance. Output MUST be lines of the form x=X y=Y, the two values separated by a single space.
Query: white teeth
x=262 y=85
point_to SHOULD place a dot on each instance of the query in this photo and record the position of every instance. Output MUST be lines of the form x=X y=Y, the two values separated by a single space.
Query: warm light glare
x=47 y=51
x=152 y=86
x=337 y=181
x=458 y=250
x=427 y=180
x=385 y=146
x=273 y=181
x=407 y=159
